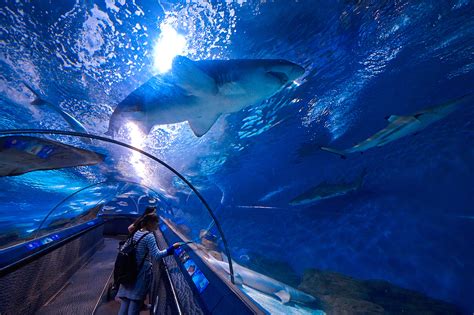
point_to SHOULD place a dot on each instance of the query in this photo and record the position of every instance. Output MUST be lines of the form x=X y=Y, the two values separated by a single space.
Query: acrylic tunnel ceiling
x=329 y=135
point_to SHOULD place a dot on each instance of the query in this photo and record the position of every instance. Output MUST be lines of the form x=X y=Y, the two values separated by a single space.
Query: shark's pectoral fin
x=200 y=126
x=191 y=78
x=392 y=118
x=283 y=295
x=341 y=153
x=416 y=116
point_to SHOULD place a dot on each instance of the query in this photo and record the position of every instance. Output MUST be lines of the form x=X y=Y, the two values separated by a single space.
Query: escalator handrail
x=23 y=261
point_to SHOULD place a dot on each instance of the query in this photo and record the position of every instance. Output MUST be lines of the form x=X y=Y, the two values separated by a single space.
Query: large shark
x=327 y=190
x=401 y=126
x=200 y=91
x=262 y=283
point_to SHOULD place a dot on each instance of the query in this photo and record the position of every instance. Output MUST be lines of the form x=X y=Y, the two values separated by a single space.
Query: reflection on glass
x=137 y=139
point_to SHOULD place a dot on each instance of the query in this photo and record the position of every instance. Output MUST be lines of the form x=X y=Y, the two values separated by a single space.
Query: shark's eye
x=279 y=75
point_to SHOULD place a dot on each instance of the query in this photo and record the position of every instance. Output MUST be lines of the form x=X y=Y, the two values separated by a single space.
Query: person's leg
x=134 y=308
x=124 y=306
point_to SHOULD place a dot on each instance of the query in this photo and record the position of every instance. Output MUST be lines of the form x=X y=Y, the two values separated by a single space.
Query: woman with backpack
x=133 y=294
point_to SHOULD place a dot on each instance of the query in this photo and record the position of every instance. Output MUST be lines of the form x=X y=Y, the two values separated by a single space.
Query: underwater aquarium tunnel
x=236 y=157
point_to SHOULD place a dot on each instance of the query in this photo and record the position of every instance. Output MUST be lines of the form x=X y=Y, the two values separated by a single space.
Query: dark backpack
x=126 y=269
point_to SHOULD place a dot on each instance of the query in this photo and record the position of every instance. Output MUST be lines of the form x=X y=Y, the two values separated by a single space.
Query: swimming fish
x=327 y=190
x=199 y=92
x=73 y=122
x=263 y=283
x=23 y=154
x=401 y=126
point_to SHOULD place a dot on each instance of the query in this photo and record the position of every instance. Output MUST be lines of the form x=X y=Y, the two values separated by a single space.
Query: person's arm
x=132 y=228
x=154 y=251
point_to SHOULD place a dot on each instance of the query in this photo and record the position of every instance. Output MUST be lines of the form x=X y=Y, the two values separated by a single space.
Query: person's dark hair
x=149 y=209
x=149 y=218
x=138 y=222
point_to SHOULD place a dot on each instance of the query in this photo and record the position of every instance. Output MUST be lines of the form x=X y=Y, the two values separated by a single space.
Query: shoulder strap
x=146 y=254
x=138 y=241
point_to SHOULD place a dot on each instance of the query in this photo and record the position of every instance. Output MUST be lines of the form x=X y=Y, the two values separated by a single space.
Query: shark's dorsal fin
x=200 y=126
x=38 y=100
x=283 y=295
x=191 y=78
x=392 y=118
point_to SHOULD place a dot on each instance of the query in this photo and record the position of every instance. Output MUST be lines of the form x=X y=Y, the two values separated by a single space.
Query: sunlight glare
x=137 y=138
x=169 y=45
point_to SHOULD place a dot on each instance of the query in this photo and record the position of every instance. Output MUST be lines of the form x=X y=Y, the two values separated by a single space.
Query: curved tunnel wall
x=364 y=60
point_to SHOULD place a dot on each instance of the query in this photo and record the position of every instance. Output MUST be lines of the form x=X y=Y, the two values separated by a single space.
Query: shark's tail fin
x=341 y=153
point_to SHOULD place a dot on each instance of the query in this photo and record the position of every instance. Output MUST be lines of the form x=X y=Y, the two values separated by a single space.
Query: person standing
x=134 y=294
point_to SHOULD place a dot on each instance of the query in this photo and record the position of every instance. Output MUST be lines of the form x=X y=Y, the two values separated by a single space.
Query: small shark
x=401 y=126
x=200 y=91
x=326 y=191
x=262 y=283
x=73 y=122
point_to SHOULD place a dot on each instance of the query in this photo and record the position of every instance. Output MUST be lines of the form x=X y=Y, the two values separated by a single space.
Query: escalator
x=73 y=274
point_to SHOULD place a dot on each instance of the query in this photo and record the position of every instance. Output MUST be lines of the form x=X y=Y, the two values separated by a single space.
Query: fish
x=327 y=190
x=73 y=122
x=23 y=154
x=401 y=126
x=199 y=92
x=244 y=276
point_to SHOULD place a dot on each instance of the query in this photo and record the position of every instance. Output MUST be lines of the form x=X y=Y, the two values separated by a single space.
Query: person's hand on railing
x=171 y=249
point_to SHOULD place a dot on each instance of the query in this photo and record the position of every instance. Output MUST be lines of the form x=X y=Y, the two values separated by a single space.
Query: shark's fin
x=191 y=78
x=73 y=122
x=392 y=118
x=110 y=132
x=38 y=100
x=200 y=126
x=284 y=296
x=341 y=153
x=416 y=116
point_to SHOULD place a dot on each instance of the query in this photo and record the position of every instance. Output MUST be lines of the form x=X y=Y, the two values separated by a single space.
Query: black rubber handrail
x=128 y=146
x=36 y=255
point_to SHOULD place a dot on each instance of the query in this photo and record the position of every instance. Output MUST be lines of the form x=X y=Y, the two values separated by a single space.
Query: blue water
x=411 y=223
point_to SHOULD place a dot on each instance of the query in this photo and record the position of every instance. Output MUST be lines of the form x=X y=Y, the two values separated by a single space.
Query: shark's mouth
x=280 y=76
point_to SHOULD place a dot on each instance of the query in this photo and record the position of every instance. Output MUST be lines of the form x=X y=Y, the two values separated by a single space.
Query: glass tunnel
x=307 y=157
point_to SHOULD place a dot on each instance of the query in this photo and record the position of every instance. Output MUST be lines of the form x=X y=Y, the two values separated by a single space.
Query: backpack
x=126 y=269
